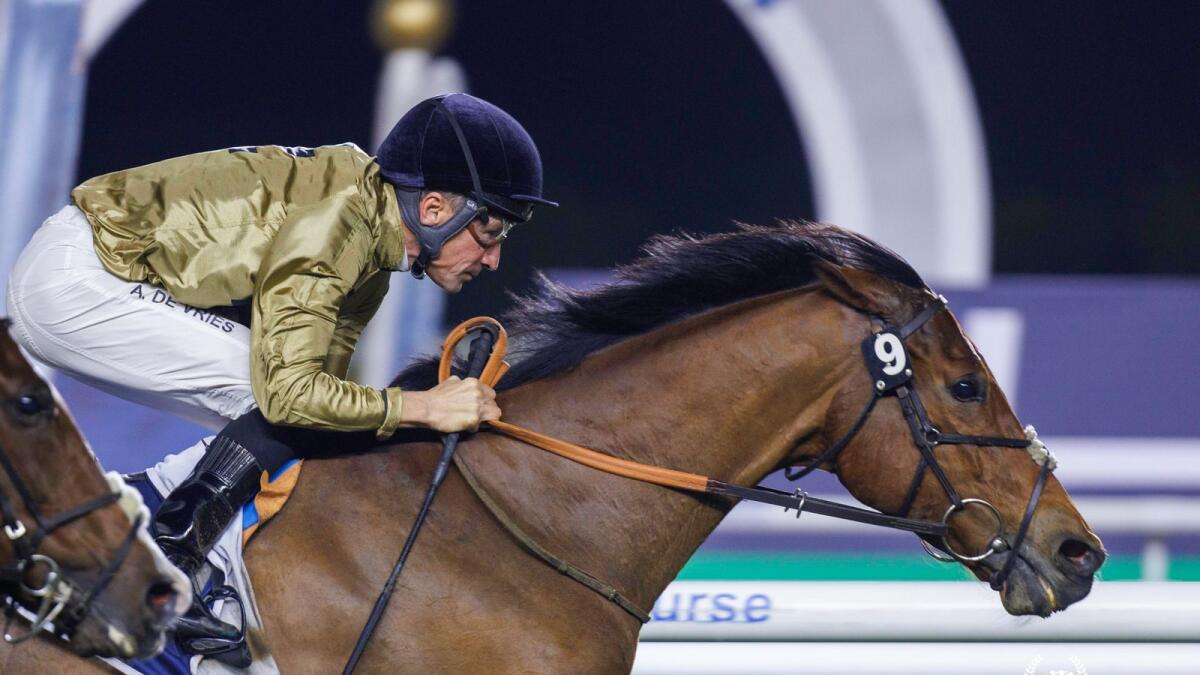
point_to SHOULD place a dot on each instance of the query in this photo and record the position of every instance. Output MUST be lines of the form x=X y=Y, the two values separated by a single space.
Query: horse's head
x=931 y=387
x=74 y=550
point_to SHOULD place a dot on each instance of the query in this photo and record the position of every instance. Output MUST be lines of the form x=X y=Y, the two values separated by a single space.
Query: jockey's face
x=467 y=253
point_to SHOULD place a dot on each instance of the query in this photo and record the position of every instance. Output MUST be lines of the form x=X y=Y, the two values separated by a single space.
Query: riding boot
x=190 y=521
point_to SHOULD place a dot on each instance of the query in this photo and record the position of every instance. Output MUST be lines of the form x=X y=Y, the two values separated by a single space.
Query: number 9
x=890 y=351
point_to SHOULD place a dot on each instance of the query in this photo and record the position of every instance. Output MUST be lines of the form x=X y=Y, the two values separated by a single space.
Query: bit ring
x=993 y=542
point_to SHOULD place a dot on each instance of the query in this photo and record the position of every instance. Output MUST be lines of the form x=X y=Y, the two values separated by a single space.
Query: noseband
x=56 y=591
x=891 y=371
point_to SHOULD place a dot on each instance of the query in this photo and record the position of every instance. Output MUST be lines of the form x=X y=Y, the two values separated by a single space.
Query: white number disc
x=890 y=351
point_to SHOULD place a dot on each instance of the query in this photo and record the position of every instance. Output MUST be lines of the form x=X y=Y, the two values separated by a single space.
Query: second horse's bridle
x=890 y=367
x=55 y=593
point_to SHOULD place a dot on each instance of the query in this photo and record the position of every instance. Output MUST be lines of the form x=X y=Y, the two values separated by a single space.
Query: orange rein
x=496 y=368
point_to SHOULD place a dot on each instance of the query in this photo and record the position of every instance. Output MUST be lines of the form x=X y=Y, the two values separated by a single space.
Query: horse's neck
x=726 y=395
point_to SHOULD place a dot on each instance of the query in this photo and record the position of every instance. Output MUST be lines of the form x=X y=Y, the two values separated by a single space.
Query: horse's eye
x=966 y=389
x=29 y=405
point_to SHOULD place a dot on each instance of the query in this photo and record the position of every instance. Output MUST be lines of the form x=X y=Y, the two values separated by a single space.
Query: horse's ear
x=859 y=289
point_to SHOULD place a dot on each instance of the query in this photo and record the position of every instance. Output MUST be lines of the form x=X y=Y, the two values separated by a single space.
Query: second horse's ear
x=859 y=289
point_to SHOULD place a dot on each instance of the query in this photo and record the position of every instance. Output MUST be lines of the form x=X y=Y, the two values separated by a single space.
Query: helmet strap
x=433 y=238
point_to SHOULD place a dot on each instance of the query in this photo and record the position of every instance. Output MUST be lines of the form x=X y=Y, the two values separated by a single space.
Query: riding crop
x=480 y=351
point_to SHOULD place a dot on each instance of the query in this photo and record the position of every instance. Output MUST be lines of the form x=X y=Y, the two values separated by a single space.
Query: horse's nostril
x=1083 y=558
x=161 y=597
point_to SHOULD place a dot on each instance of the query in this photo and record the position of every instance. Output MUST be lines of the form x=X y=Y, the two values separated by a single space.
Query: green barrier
x=907 y=567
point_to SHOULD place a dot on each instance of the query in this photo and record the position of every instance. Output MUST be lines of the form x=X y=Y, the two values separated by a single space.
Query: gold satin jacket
x=308 y=234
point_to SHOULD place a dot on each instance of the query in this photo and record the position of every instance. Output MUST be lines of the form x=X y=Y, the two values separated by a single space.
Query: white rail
x=673 y=658
x=905 y=628
x=1126 y=462
x=938 y=611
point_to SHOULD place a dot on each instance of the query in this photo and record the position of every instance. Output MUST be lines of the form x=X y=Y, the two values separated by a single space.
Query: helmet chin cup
x=432 y=238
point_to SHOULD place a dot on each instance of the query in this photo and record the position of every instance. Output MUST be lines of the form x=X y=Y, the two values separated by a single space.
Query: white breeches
x=127 y=338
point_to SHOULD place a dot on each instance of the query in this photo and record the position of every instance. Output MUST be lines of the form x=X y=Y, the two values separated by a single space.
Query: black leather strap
x=914 y=487
x=480 y=350
x=608 y=591
x=73 y=514
x=75 y=612
x=997 y=581
x=832 y=452
x=923 y=432
x=925 y=437
x=922 y=316
x=802 y=502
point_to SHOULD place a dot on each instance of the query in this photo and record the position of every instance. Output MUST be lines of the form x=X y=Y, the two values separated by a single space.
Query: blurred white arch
x=884 y=105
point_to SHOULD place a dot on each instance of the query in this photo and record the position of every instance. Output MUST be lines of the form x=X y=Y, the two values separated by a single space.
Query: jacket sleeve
x=356 y=313
x=313 y=262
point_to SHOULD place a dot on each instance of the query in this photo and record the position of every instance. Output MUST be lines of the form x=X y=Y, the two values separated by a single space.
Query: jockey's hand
x=453 y=405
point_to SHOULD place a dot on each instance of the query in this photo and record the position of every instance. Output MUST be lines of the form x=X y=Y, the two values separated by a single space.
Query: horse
x=75 y=552
x=732 y=355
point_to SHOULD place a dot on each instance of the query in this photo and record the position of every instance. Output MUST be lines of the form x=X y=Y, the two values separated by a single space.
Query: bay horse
x=74 y=550
x=731 y=356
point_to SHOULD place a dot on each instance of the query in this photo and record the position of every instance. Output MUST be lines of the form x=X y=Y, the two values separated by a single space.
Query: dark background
x=656 y=116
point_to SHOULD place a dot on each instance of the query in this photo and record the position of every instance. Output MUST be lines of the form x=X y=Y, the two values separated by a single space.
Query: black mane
x=556 y=327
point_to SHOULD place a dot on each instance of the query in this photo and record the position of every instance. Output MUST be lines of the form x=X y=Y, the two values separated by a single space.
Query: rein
x=481 y=348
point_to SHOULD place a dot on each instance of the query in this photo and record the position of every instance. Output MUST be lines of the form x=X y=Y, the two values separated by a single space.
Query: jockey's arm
x=356 y=312
x=300 y=350
x=314 y=260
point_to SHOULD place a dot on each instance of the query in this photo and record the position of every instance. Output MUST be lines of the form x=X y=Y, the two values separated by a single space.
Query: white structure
x=45 y=48
x=884 y=106
x=915 y=658
x=41 y=98
x=409 y=321
x=918 y=611
x=915 y=627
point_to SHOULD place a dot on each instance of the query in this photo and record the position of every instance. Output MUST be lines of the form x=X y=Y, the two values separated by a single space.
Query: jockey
x=138 y=285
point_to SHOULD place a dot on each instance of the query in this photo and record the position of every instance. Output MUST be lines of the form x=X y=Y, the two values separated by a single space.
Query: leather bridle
x=55 y=594
x=891 y=371
x=57 y=591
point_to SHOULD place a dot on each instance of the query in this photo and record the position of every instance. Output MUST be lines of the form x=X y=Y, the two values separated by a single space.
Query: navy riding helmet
x=463 y=144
